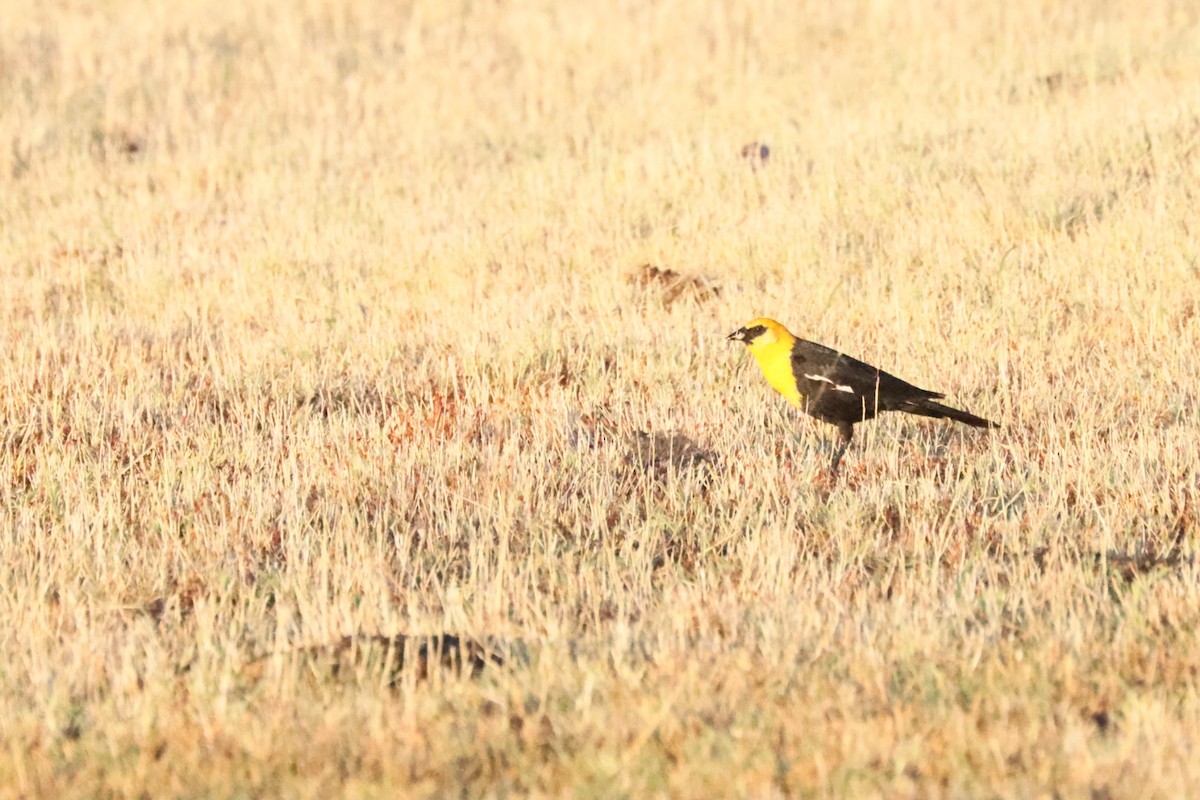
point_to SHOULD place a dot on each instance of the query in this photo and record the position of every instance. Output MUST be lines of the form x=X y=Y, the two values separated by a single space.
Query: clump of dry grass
x=672 y=286
x=313 y=336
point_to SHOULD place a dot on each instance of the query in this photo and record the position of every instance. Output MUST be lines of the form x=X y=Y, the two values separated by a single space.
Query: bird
x=835 y=388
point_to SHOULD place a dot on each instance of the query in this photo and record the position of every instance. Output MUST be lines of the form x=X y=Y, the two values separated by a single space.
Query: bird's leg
x=846 y=430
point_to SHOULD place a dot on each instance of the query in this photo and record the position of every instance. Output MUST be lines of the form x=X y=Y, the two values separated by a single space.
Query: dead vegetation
x=392 y=656
x=671 y=286
x=319 y=321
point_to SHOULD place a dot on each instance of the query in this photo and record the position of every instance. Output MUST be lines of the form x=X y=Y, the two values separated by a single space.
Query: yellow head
x=771 y=345
x=760 y=334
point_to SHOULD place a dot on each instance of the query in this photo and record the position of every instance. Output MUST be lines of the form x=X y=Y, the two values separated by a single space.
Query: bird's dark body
x=820 y=370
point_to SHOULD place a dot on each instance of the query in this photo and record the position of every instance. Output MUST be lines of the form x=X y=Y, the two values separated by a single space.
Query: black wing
x=839 y=388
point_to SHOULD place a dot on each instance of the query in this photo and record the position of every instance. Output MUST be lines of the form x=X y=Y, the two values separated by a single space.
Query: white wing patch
x=842 y=387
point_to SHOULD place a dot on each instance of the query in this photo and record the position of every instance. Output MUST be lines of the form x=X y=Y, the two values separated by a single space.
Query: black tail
x=932 y=408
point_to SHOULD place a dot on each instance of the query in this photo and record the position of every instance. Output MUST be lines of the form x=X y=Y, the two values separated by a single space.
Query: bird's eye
x=755 y=332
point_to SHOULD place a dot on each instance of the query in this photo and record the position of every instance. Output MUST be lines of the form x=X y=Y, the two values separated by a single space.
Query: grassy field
x=323 y=319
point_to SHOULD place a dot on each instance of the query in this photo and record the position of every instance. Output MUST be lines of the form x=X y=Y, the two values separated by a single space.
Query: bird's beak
x=737 y=336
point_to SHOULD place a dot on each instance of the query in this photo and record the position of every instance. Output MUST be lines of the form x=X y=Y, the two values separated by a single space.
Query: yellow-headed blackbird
x=836 y=388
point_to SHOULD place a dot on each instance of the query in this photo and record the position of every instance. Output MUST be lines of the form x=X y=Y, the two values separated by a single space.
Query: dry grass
x=319 y=323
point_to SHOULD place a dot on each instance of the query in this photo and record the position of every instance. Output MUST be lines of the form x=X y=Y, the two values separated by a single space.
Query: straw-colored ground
x=323 y=318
